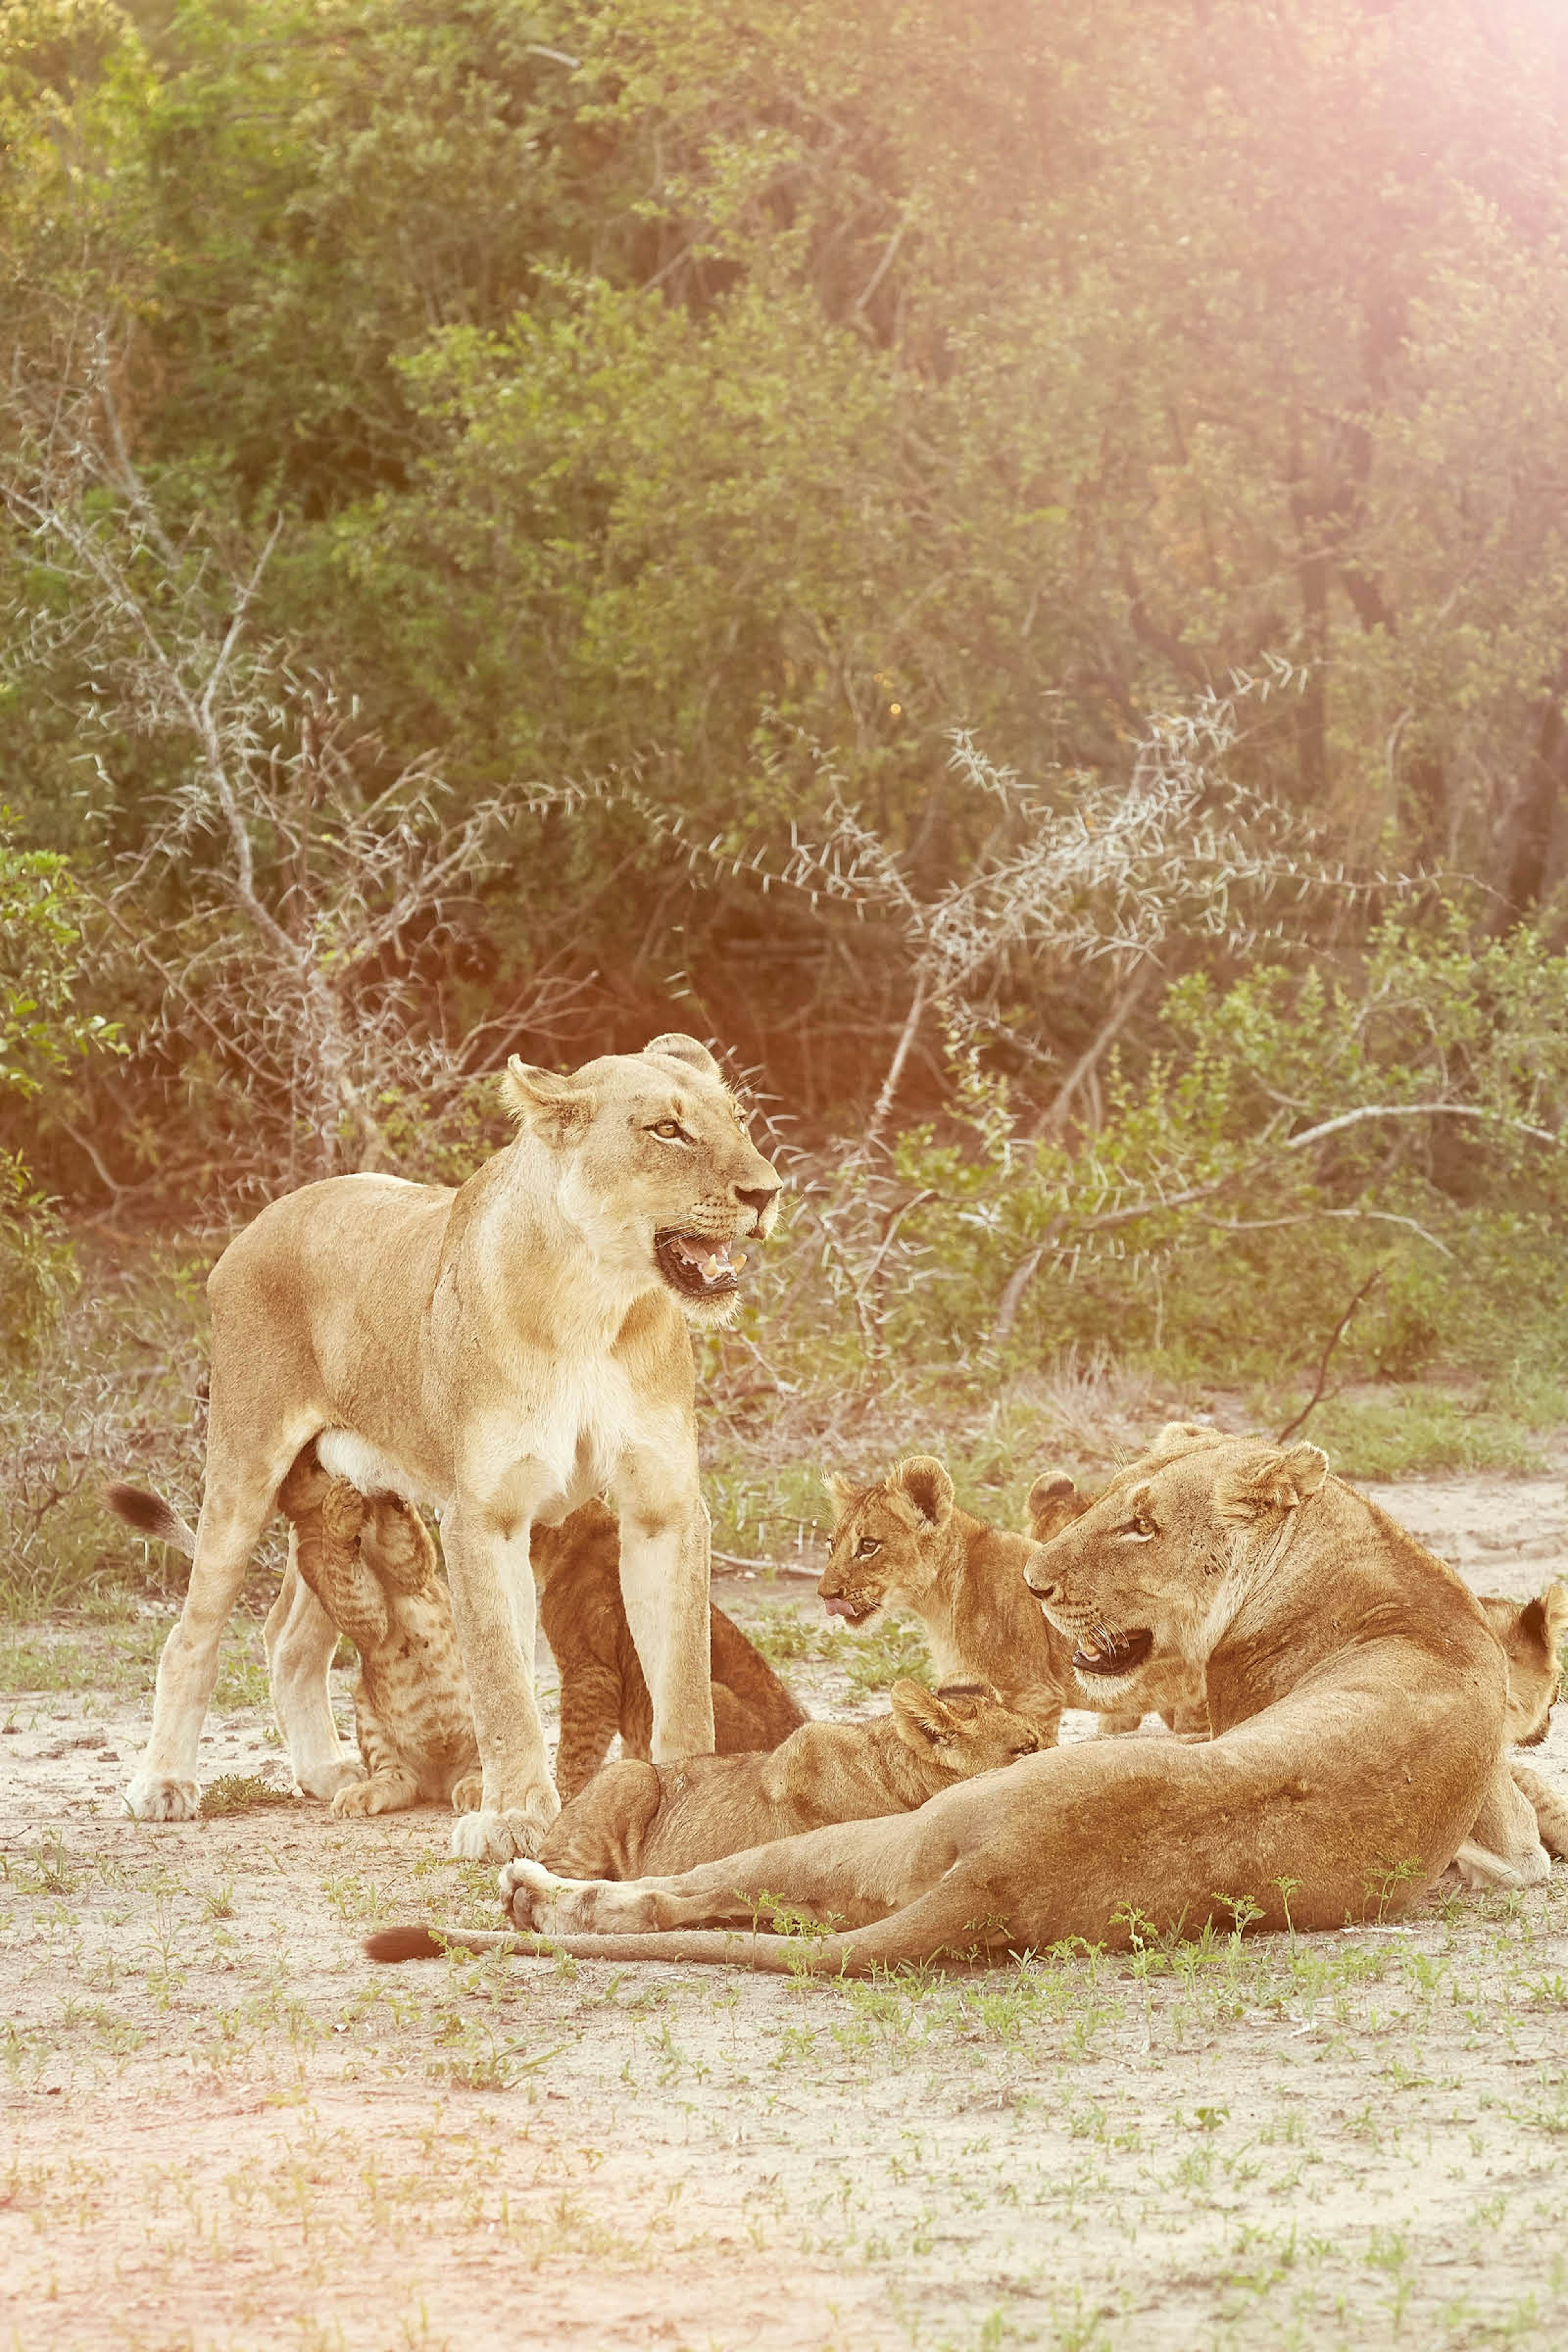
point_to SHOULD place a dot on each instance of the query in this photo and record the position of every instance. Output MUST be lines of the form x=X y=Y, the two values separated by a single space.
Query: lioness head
x=885 y=1543
x=1531 y=1634
x=963 y=1729
x=653 y=1165
x=1158 y=1566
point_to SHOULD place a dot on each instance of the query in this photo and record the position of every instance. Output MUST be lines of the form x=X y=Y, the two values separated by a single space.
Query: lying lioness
x=633 y=1818
x=1358 y=1700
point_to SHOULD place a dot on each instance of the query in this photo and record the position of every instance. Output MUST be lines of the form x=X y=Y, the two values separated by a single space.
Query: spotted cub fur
x=371 y=1562
x=603 y=1689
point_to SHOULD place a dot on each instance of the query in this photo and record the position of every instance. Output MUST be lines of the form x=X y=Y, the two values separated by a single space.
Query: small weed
x=240 y=1792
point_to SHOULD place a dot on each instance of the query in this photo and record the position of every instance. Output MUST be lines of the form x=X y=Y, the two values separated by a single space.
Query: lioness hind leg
x=236 y=1507
x=299 y=1640
x=1504 y=1847
x=851 y=1871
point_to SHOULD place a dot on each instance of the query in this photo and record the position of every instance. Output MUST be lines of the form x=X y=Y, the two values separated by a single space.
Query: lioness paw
x=159 y=1796
x=530 y=1893
x=469 y=1793
x=497 y=1836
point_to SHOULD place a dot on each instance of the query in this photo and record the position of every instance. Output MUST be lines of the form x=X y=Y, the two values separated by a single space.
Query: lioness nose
x=1043 y=1587
x=757 y=1196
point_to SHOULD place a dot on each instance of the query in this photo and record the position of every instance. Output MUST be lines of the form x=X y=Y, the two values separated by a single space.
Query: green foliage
x=1297 y=1131
x=240 y=1792
x=42 y=1035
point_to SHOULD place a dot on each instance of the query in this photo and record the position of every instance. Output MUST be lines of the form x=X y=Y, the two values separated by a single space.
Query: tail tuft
x=149 y=1515
x=405 y=1944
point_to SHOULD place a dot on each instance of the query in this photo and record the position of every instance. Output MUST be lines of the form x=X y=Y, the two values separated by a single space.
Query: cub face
x=1153 y=1570
x=884 y=1542
x=656 y=1163
x=1531 y=1634
x=963 y=1728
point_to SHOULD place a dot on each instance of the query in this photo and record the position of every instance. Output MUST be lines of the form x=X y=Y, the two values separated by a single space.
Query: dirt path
x=224 y=2129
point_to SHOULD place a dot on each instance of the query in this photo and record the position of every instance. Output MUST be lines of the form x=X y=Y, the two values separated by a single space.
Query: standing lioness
x=501 y=1352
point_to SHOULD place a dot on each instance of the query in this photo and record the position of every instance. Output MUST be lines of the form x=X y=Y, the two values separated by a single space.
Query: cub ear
x=840 y=1491
x=1275 y=1480
x=922 y=1718
x=544 y=1101
x=676 y=1046
x=924 y=1482
x=1054 y=1503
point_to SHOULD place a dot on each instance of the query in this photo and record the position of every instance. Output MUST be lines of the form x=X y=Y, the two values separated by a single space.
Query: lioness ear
x=552 y=1106
x=1181 y=1437
x=677 y=1047
x=922 y=1718
x=841 y=1491
x=1553 y=1606
x=1054 y=1503
x=1273 y=1480
x=923 y=1482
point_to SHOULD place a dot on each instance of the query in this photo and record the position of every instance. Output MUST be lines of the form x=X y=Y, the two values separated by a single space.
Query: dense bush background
x=1008 y=563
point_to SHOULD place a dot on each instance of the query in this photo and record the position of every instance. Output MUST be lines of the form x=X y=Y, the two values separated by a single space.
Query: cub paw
x=497 y=1836
x=343 y=1510
x=159 y=1796
x=367 y=1797
x=468 y=1794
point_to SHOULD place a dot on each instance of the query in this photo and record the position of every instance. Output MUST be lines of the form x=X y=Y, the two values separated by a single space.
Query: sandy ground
x=225 y=2129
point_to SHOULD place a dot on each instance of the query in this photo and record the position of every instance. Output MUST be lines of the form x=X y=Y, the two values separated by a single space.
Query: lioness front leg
x=850 y=1873
x=491 y=1578
x=664 y=1585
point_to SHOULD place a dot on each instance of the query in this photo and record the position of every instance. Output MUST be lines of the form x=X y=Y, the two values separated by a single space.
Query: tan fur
x=638 y=1818
x=965 y=1579
x=1499 y=1851
x=1358 y=1700
x=371 y=1563
x=603 y=1688
x=503 y=1352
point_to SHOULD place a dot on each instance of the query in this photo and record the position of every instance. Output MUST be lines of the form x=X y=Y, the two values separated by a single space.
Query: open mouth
x=854 y=1612
x=697 y=1265
x=1118 y=1657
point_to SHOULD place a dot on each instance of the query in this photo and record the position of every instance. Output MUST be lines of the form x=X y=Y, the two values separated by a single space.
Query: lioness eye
x=867 y=1547
x=671 y=1131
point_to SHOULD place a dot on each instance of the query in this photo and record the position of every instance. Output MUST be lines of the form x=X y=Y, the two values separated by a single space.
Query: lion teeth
x=1086 y=1649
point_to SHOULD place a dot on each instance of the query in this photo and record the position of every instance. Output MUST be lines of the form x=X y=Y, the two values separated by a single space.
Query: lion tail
x=150 y=1515
x=926 y=1930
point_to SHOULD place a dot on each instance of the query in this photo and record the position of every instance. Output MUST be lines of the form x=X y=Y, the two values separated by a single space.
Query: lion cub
x=603 y=1689
x=904 y=1539
x=371 y=1562
x=1532 y=1635
x=635 y=1820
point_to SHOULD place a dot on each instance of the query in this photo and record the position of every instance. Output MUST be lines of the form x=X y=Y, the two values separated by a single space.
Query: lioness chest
x=567 y=1437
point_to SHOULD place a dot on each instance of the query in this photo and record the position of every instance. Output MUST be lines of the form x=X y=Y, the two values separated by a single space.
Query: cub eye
x=867 y=1548
x=1141 y=1524
x=669 y=1131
